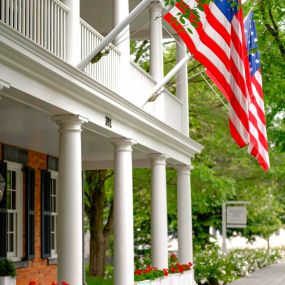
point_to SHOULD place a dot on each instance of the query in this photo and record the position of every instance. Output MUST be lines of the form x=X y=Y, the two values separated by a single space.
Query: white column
x=159 y=231
x=156 y=53
x=73 y=32
x=156 y=46
x=121 y=11
x=123 y=213
x=184 y=209
x=70 y=257
x=182 y=86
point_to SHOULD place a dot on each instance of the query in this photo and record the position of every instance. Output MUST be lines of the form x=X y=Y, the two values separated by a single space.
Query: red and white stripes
x=219 y=44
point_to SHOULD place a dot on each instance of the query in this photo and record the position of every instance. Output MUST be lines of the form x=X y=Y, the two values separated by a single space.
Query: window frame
x=18 y=240
x=54 y=215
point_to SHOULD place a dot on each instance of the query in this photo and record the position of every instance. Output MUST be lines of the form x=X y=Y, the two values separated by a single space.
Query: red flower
x=165 y=272
x=32 y=283
x=64 y=283
x=172 y=269
x=138 y=272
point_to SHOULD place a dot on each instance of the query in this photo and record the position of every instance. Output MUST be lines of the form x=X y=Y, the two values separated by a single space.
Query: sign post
x=234 y=216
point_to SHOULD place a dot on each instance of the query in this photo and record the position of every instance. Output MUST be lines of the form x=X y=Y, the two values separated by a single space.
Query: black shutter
x=3 y=214
x=46 y=213
x=30 y=212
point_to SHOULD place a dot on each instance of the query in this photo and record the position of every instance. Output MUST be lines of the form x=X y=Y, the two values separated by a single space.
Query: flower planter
x=7 y=280
x=185 y=278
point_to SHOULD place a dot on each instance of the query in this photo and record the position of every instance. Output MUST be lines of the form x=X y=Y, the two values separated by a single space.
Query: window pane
x=11 y=242
x=54 y=204
x=54 y=186
x=52 y=223
x=13 y=193
x=9 y=199
x=11 y=223
x=14 y=180
x=52 y=241
x=9 y=179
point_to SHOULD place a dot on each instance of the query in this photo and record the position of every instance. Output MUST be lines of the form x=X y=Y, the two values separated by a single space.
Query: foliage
x=7 y=268
x=151 y=273
x=212 y=267
x=94 y=280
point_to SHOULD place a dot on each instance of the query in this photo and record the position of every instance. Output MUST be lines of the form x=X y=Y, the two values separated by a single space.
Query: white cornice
x=46 y=67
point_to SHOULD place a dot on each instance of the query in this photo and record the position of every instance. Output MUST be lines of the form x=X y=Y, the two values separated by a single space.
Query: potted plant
x=7 y=272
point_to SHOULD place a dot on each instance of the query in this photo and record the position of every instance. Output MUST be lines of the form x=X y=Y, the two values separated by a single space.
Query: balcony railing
x=44 y=22
x=106 y=71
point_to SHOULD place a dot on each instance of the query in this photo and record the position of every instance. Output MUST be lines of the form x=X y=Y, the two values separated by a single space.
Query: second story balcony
x=46 y=23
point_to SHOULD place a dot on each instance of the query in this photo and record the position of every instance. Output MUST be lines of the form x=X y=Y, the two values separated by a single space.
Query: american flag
x=258 y=145
x=218 y=42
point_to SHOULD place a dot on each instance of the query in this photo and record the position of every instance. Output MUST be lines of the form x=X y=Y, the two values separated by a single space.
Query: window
x=53 y=207
x=14 y=210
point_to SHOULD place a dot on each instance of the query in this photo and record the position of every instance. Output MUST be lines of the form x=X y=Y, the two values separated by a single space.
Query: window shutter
x=3 y=214
x=30 y=212
x=46 y=213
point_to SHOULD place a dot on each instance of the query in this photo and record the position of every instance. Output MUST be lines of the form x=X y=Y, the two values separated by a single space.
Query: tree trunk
x=95 y=211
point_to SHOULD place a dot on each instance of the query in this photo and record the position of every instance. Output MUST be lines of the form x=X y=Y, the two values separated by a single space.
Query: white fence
x=43 y=21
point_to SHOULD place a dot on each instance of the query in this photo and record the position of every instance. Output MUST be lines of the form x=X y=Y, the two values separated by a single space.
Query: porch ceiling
x=32 y=128
x=99 y=14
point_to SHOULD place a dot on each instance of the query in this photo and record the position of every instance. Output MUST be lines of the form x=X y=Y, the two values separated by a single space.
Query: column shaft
x=70 y=257
x=182 y=86
x=185 y=250
x=73 y=36
x=121 y=11
x=123 y=214
x=156 y=47
x=159 y=231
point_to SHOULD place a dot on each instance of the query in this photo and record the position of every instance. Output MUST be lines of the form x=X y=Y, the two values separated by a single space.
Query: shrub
x=212 y=267
x=7 y=268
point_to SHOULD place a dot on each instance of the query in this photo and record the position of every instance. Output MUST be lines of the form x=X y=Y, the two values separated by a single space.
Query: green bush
x=7 y=268
x=214 y=268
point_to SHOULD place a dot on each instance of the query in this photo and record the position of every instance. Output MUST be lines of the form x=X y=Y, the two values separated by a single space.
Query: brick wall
x=38 y=269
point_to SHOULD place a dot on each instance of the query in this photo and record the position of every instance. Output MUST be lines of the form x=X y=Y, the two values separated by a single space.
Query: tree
x=99 y=210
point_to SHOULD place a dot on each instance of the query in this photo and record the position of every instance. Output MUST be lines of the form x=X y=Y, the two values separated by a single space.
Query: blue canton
x=251 y=43
x=226 y=9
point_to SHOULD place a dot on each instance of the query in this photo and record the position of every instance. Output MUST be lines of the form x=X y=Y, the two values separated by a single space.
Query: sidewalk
x=272 y=275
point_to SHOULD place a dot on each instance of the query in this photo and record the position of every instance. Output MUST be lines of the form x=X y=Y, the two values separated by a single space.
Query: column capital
x=158 y=158
x=184 y=168
x=122 y=144
x=69 y=121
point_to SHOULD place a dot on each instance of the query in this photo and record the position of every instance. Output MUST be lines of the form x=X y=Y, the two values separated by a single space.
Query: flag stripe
x=258 y=145
x=211 y=44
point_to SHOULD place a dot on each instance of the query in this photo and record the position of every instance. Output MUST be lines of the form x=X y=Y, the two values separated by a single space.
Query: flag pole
x=114 y=33
x=155 y=91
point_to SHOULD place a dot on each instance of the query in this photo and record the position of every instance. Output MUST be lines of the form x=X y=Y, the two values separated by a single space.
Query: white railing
x=106 y=71
x=43 y=21
x=141 y=84
x=172 y=111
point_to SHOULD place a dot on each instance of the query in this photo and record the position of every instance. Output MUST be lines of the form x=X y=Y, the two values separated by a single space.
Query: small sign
x=236 y=217
x=108 y=122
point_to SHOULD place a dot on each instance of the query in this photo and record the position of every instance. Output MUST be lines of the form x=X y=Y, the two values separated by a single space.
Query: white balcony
x=44 y=22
